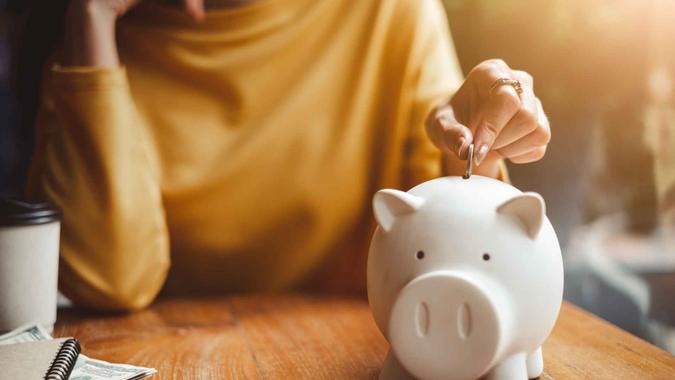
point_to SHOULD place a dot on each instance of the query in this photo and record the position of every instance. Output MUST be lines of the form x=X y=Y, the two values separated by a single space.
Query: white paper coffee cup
x=29 y=259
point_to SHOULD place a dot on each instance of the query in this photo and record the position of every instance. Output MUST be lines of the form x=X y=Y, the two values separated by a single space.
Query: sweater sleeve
x=436 y=75
x=92 y=161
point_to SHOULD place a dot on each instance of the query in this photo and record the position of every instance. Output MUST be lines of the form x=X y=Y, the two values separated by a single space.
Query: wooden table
x=303 y=337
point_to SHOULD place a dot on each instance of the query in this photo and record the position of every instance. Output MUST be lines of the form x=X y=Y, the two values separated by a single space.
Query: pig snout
x=446 y=325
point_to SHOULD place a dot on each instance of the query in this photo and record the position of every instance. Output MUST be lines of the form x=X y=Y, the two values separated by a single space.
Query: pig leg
x=535 y=364
x=511 y=368
x=392 y=370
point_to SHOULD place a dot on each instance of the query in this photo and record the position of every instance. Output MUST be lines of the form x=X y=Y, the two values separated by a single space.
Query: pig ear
x=529 y=209
x=389 y=204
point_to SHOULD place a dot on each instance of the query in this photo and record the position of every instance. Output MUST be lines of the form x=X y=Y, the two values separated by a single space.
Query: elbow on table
x=129 y=301
x=125 y=292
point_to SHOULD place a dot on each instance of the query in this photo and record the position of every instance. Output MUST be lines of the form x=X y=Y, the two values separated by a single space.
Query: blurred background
x=604 y=70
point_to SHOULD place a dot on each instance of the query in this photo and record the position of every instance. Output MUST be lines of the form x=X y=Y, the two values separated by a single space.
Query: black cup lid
x=14 y=212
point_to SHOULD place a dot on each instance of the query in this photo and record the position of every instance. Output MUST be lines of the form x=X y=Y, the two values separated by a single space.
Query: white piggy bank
x=465 y=279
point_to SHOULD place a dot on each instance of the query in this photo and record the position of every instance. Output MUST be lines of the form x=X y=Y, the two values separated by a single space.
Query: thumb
x=448 y=134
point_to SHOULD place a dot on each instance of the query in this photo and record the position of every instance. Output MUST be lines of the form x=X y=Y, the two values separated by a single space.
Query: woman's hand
x=500 y=122
x=89 y=38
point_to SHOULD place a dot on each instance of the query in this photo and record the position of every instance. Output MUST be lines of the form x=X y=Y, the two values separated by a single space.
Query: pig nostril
x=422 y=319
x=464 y=321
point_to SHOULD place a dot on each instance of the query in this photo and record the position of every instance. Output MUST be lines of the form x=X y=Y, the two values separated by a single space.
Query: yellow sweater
x=240 y=153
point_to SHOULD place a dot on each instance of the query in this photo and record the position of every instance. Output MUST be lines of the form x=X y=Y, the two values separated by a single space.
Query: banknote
x=85 y=368
x=29 y=333
x=92 y=369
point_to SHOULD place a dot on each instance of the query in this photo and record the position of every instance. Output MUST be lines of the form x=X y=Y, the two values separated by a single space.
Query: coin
x=469 y=162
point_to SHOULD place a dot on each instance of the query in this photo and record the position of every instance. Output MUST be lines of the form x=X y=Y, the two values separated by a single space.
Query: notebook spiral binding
x=64 y=361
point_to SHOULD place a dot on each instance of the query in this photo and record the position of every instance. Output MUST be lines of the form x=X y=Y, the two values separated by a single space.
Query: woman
x=238 y=148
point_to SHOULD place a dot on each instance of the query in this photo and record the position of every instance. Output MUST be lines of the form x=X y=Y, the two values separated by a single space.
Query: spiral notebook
x=47 y=359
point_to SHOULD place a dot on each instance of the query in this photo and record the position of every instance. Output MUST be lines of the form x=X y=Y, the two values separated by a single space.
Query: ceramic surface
x=465 y=280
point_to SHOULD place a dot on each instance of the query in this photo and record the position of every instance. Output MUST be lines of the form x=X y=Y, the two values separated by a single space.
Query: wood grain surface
x=305 y=337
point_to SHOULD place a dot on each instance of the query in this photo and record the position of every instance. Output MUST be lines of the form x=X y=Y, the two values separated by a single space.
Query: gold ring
x=507 y=82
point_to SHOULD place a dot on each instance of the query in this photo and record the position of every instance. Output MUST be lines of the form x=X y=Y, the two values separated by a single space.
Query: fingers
x=504 y=122
x=526 y=118
x=535 y=139
x=533 y=146
x=447 y=133
x=195 y=8
x=501 y=106
x=531 y=156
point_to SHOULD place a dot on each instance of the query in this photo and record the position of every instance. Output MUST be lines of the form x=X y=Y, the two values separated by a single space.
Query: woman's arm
x=435 y=75
x=93 y=161
x=89 y=37
x=501 y=121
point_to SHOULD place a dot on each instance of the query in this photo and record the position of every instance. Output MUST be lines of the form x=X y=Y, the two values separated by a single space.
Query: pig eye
x=420 y=255
x=486 y=257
